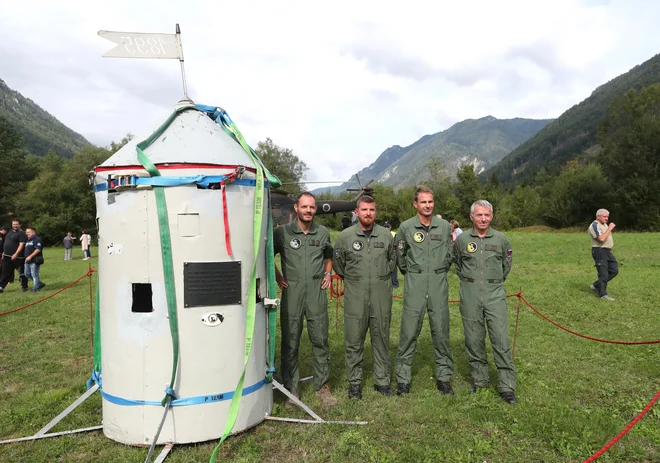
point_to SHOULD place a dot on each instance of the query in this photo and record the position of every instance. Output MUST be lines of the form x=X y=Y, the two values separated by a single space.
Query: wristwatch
x=328 y=273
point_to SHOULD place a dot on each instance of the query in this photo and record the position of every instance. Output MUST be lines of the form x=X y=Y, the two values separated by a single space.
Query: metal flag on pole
x=147 y=46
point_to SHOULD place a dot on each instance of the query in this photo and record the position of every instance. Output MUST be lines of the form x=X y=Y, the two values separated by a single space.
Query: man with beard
x=423 y=245
x=364 y=258
x=12 y=256
x=306 y=258
x=483 y=261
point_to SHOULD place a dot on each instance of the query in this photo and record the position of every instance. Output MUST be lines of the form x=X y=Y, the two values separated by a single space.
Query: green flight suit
x=302 y=257
x=366 y=265
x=482 y=264
x=424 y=257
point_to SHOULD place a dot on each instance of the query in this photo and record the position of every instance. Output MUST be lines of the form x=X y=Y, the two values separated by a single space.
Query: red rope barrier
x=515 y=333
x=89 y=273
x=656 y=341
x=607 y=446
x=336 y=292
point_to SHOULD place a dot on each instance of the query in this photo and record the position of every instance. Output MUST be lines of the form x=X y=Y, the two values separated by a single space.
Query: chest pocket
x=379 y=251
x=493 y=255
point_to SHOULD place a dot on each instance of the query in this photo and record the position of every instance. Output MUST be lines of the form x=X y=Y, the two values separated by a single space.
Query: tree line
x=621 y=174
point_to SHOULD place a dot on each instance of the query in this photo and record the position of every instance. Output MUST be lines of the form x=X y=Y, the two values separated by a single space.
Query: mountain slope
x=481 y=142
x=574 y=132
x=40 y=130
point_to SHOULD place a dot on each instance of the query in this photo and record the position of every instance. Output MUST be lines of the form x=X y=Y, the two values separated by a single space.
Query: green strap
x=166 y=249
x=252 y=293
x=97 y=328
x=272 y=293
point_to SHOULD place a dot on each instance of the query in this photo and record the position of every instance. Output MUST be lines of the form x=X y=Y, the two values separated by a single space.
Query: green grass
x=574 y=394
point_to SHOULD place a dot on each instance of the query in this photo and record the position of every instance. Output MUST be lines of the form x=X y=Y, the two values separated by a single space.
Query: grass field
x=574 y=394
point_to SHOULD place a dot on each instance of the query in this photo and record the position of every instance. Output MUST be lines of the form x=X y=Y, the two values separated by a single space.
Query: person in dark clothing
x=345 y=221
x=34 y=257
x=12 y=256
x=3 y=232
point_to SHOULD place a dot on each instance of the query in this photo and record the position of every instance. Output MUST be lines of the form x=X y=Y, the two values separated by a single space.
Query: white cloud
x=337 y=82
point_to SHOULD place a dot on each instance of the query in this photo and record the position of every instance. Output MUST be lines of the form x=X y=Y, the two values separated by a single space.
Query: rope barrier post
x=515 y=333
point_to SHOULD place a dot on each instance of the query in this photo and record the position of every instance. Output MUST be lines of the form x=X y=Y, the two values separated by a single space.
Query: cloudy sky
x=337 y=82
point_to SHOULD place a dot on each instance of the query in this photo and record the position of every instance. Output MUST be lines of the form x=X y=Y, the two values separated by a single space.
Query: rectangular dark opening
x=142 y=298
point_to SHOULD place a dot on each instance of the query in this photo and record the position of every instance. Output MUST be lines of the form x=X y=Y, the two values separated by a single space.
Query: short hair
x=31 y=228
x=364 y=199
x=454 y=223
x=482 y=203
x=422 y=189
x=305 y=193
x=16 y=220
x=600 y=212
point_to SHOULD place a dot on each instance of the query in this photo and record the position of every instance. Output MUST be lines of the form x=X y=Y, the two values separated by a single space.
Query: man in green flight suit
x=483 y=261
x=306 y=257
x=423 y=245
x=364 y=258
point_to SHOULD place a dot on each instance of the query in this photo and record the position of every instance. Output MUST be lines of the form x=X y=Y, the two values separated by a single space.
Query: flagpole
x=183 y=70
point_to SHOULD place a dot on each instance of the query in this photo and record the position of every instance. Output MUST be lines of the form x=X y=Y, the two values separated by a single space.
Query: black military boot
x=509 y=397
x=385 y=390
x=444 y=387
x=355 y=391
x=476 y=388
x=402 y=389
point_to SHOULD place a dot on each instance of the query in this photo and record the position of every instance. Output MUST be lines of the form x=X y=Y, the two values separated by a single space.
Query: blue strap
x=203 y=399
x=95 y=378
x=170 y=392
x=201 y=180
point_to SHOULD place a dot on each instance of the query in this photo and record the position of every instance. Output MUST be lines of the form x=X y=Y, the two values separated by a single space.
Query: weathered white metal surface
x=137 y=347
x=191 y=138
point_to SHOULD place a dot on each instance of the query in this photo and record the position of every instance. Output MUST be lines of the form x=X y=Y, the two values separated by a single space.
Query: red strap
x=226 y=216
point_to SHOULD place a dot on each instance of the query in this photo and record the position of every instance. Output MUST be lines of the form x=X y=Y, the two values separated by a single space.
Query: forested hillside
x=574 y=133
x=41 y=131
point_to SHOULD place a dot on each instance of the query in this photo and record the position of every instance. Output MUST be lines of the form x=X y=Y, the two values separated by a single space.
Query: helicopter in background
x=281 y=203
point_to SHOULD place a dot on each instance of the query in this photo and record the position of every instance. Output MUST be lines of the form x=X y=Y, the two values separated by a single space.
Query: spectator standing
x=3 y=232
x=68 y=245
x=12 y=256
x=601 y=250
x=455 y=230
x=85 y=242
x=34 y=257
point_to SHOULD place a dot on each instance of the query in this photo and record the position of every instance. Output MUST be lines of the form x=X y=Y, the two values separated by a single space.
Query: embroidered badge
x=337 y=252
x=491 y=247
x=419 y=237
x=379 y=244
x=401 y=245
x=435 y=237
x=472 y=247
x=358 y=245
x=509 y=253
x=295 y=243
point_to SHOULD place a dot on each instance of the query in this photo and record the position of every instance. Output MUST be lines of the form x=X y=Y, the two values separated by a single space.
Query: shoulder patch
x=337 y=252
x=401 y=245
